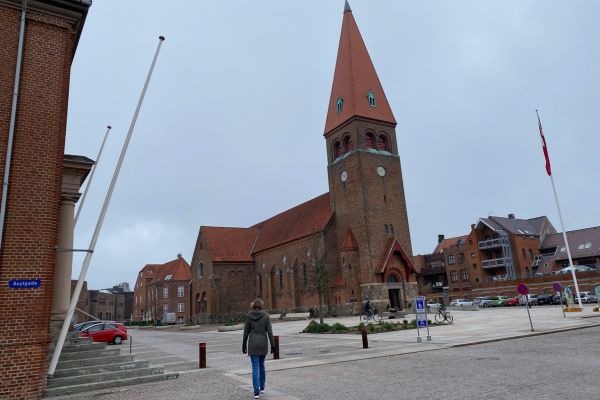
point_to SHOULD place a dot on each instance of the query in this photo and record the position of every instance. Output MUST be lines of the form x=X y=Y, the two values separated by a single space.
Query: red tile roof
x=449 y=242
x=303 y=220
x=354 y=77
x=178 y=270
x=229 y=244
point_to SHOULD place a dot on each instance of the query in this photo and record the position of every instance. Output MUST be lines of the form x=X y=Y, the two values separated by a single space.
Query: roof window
x=372 y=99
x=339 y=104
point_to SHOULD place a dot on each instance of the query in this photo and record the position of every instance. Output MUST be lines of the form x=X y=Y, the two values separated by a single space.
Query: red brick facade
x=30 y=232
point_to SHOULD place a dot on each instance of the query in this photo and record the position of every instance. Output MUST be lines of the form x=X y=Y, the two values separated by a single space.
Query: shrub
x=337 y=327
x=405 y=323
x=315 y=327
x=371 y=328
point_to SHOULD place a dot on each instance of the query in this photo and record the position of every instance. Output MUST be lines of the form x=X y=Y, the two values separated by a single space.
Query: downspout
x=13 y=115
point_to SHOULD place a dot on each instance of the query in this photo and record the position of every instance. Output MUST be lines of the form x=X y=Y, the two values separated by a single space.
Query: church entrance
x=394 y=293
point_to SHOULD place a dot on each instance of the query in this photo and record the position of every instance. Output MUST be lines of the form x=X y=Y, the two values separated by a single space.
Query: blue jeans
x=258 y=373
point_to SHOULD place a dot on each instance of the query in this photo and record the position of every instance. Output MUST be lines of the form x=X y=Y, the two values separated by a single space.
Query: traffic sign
x=522 y=289
x=420 y=305
x=597 y=290
x=557 y=287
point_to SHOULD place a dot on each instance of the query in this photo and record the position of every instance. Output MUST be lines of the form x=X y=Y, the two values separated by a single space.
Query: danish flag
x=544 y=147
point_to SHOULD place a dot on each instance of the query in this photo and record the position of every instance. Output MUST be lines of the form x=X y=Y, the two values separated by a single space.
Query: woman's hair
x=257 y=303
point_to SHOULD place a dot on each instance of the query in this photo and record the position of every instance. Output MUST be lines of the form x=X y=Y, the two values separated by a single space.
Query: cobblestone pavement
x=553 y=366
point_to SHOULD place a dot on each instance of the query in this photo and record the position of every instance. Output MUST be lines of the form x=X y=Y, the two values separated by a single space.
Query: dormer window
x=339 y=104
x=372 y=99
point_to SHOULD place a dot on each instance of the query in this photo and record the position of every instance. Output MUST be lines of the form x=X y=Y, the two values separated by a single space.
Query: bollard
x=365 y=339
x=202 y=362
x=276 y=352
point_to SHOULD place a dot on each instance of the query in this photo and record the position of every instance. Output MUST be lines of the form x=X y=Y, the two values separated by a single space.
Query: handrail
x=123 y=332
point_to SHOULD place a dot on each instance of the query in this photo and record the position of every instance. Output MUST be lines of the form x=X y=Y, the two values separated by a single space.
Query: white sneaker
x=256 y=396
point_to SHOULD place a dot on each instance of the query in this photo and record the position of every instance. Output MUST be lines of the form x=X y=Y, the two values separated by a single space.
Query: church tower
x=365 y=176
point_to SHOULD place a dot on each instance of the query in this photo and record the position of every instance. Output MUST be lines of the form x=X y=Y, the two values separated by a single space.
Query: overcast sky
x=231 y=129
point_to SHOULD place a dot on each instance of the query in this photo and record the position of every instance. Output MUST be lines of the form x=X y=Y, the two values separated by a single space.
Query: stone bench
x=296 y=316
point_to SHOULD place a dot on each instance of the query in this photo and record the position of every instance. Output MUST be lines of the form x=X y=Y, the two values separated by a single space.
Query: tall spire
x=356 y=89
x=347 y=7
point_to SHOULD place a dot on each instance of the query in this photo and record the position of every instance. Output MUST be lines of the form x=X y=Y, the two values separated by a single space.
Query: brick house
x=163 y=289
x=106 y=305
x=584 y=245
x=358 y=230
x=30 y=233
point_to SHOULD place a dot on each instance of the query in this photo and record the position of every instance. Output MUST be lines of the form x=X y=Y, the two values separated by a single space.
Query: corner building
x=359 y=229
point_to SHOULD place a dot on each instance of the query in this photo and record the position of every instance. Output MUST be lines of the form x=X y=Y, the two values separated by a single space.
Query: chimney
x=440 y=238
x=472 y=226
x=179 y=255
x=511 y=216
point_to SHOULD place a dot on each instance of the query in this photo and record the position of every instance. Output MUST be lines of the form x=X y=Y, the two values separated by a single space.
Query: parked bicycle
x=372 y=316
x=443 y=315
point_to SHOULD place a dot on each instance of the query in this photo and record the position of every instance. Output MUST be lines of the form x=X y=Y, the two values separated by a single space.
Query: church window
x=304 y=275
x=337 y=150
x=372 y=99
x=339 y=104
x=383 y=143
x=385 y=229
x=280 y=273
x=391 y=229
x=370 y=141
x=347 y=144
x=260 y=284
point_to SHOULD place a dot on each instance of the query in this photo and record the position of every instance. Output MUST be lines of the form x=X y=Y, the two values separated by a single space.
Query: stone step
x=89 y=354
x=87 y=387
x=73 y=348
x=96 y=369
x=103 y=377
x=89 y=362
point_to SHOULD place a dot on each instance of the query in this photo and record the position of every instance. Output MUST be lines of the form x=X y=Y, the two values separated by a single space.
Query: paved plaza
x=532 y=365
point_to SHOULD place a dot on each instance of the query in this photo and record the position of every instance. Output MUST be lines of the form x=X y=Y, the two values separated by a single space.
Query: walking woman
x=256 y=332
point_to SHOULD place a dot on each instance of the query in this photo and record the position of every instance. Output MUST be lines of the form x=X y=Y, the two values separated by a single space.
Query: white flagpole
x=562 y=224
x=87 y=187
x=86 y=262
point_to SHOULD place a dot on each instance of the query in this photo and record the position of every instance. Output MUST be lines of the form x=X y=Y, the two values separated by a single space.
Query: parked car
x=557 y=298
x=545 y=299
x=587 y=297
x=533 y=300
x=502 y=300
x=461 y=302
x=513 y=301
x=113 y=332
x=433 y=305
x=486 y=301
x=81 y=326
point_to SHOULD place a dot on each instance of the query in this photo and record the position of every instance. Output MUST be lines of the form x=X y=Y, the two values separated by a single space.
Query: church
x=338 y=249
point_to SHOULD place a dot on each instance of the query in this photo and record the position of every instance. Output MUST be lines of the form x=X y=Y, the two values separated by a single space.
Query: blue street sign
x=24 y=283
x=422 y=324
x=420 y=305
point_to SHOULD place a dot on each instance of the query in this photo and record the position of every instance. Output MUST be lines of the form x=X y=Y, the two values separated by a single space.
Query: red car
x=512 y=302
x=112 y=332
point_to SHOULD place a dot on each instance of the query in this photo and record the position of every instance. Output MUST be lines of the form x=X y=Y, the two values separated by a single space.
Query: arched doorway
x=394 y=291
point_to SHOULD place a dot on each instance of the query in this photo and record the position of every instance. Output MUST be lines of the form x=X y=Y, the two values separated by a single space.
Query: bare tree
x=321 y=277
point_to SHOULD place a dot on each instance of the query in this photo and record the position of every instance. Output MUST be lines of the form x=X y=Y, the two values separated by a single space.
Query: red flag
x=544 y=147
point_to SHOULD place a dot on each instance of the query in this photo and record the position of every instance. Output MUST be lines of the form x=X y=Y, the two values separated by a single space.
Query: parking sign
x=420 y=305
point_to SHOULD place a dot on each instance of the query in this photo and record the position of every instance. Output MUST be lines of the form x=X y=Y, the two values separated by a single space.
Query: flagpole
x=86 y=262
x=562 y=224
x=89 y=183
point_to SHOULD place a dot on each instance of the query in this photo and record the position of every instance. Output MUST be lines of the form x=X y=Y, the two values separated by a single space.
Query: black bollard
x=202 y=361
x=365 y=339
x=276 y=352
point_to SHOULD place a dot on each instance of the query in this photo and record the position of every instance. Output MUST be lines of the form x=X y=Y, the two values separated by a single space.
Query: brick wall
x=34 y=193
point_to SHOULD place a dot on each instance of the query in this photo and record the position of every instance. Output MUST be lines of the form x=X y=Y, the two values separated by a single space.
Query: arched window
x=372 y=99
x=260 y=285
x=339 y=104
x=200 y=270
x=383 y=143
x=392 y=279
x=347 y=144
x=304 y=275
x=337 y=150
x=280 y=273
x=370 y=140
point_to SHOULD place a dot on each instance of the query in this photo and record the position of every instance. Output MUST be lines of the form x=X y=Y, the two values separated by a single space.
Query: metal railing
x=489 y=244
x=127 y=334
x=494 y=263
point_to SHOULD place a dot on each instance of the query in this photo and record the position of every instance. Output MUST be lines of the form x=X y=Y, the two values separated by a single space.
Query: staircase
x=85 y=366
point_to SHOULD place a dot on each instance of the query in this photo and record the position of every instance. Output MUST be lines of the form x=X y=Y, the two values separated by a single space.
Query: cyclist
x=368 y=308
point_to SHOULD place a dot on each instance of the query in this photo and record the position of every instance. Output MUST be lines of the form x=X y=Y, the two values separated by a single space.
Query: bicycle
x=443 y=315
x=374 y=315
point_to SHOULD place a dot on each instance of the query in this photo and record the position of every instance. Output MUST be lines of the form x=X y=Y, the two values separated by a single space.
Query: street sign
x=557 y=287
x=24 y=283
x=597 y=290
x=420 y=305
x=522 y=289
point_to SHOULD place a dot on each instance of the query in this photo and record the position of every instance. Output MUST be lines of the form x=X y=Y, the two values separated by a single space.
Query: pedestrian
x=257 y=331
